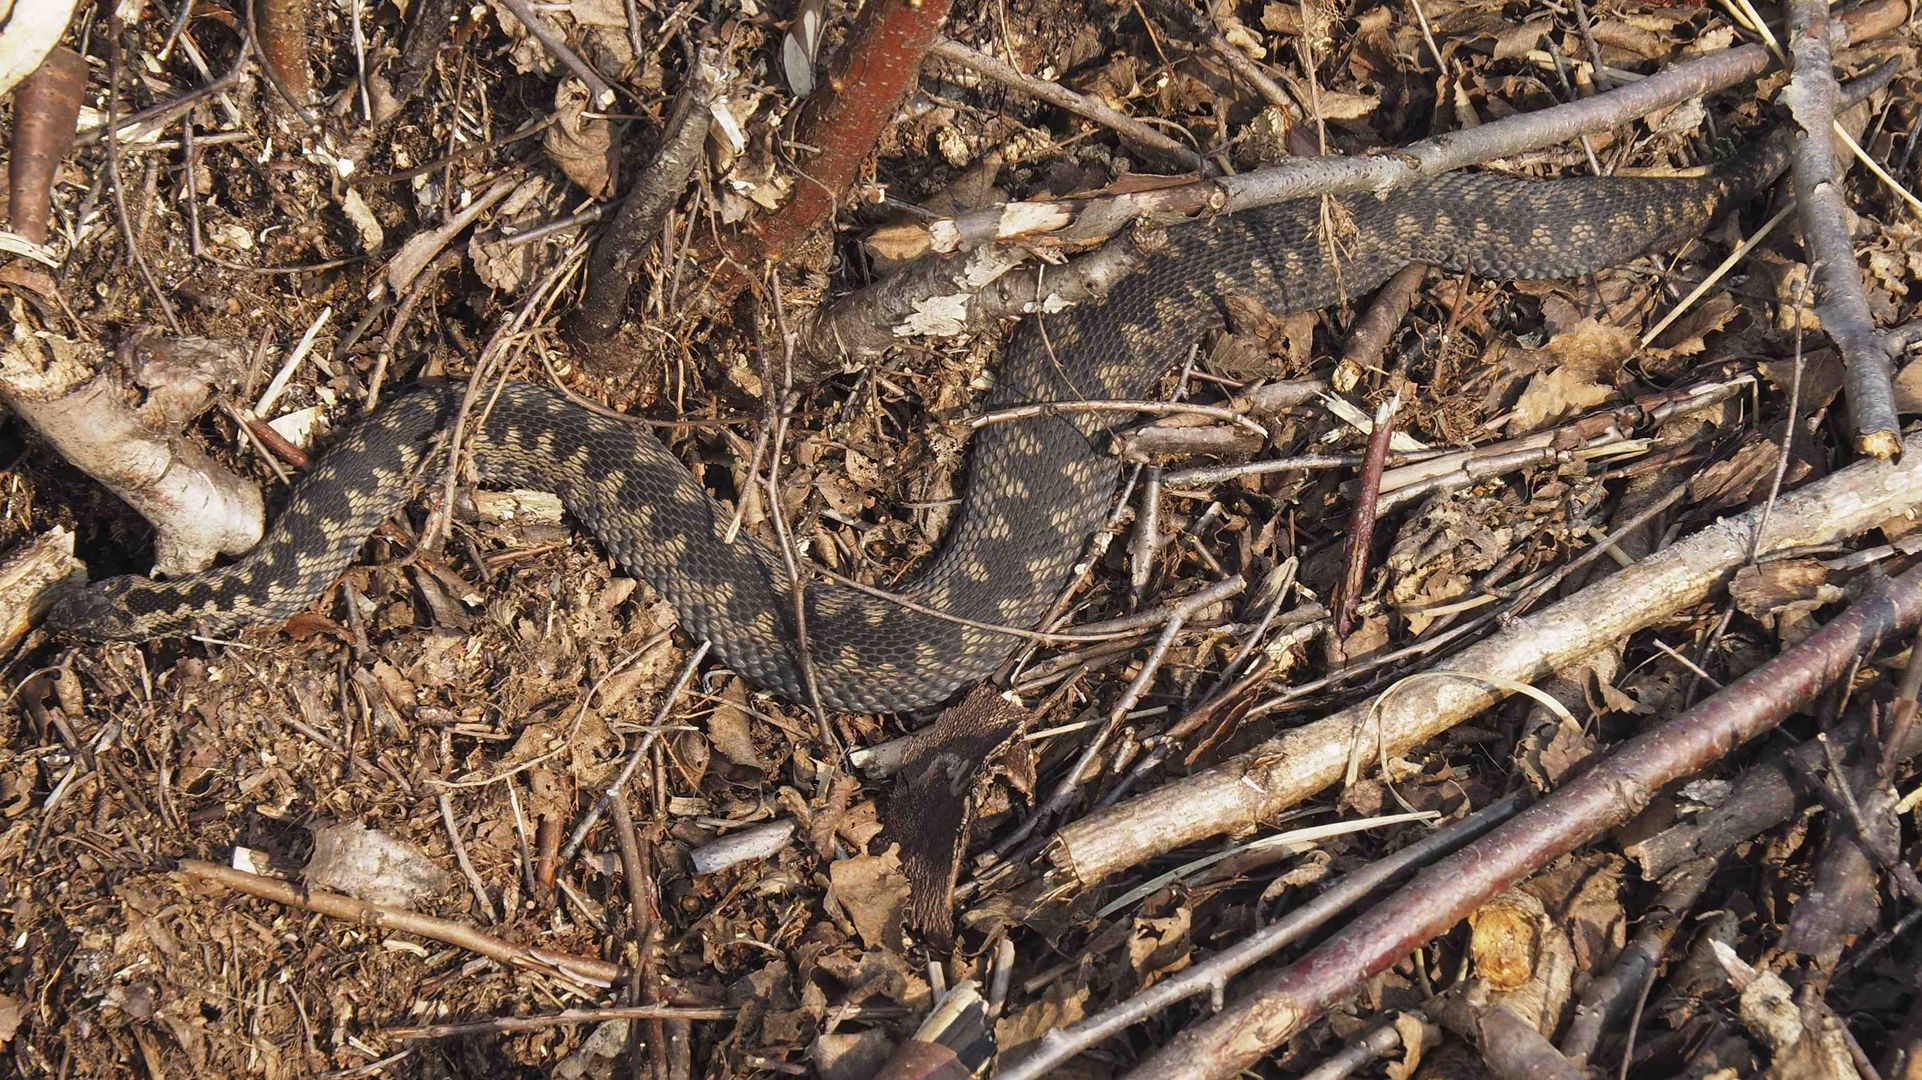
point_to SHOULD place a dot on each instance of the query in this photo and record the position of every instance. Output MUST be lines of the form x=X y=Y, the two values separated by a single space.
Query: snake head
x=94 y=612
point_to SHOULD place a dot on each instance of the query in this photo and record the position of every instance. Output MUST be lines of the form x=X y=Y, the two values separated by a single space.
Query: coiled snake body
x=1038 y=488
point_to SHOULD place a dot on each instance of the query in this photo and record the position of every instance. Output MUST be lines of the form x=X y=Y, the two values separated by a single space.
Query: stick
x=585 y=970
x=1055 y=94
x=1617 y=788
x=1254 y=787
x=617 y=254
x=1812 y=98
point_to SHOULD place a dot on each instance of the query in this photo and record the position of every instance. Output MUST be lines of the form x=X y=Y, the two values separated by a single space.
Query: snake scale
x=1038 y=488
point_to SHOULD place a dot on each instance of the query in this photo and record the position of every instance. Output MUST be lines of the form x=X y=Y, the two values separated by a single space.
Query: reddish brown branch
x=47 y=108
x=284 y=31
x=1361 y=523
x=839 y=128
x=1618 y=788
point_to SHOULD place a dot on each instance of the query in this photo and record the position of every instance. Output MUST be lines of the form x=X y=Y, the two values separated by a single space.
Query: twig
x=1368 y=339
x=134 y=249
x=1211 y=975
x=568 y=1018
x=1300 y=178
x=781 y=401
x=643 y=920
x=619 y=785
x=1607 y=996
x=1902 y=712
x=1146 y=543
x=1614 y=790
x=1183 y=610
x=616 y=261
x=554 y=43
x=481 y=899
x=584 y=970
x=1361 y=521
x=1058 y=95
x=1812 y=97
x=1159 y=408
x=1266 y=780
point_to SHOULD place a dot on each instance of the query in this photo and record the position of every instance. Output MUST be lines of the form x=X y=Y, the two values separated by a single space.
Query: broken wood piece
x=28 y=572
x=76 y=397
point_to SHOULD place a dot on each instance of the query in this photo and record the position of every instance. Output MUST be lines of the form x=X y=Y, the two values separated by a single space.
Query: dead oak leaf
x=873 y=892
x=1572 y=374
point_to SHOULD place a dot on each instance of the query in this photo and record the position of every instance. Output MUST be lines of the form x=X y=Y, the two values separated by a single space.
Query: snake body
x=1038 y=488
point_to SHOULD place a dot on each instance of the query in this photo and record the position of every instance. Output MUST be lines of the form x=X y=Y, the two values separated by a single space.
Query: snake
x=1038 y=488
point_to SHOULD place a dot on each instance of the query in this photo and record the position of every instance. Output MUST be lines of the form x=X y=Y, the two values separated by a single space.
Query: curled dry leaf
x=582 y=145
x=873 y=891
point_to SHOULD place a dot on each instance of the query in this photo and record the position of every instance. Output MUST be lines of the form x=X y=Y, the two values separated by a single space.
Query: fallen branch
x=1055 y=94
x=1812 y=97
x=1088 y=220
x=1608 y=997
x=1213 y=974
x=1245 y=791
x=585 y=970
x=46 y=110
x=841 y=122
x=1615 y=790
x=617 y=254
x=76 y=398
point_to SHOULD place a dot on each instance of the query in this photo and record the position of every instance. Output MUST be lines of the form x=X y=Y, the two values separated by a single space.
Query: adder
x=1038 y=487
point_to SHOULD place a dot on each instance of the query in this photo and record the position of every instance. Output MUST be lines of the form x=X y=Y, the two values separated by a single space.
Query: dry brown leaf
x=579 y=144
x=731 y=729
x=873 y=891
x=1573 y=374
x=1159 y=947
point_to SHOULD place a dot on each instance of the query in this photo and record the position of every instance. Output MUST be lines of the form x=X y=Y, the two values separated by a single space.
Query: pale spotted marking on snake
x=1037 y=489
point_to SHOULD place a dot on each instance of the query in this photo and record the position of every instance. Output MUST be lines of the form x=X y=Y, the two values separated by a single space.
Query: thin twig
x=1813 y=98
x=584 y=970
x=554 y=43
x=1056 y=94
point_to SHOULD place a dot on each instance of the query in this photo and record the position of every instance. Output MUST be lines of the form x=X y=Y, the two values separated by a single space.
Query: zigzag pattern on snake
x=1038 y=488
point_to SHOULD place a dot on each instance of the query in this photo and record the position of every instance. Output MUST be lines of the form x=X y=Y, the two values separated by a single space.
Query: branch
x=617 y=254
x=585 y=970
x=1615 y=790
x=1812 y=97
x=947 y=297
x=76 y=398
x=45 y=112
x=1055 y=94
x=1254 y=787
x=840 y=126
